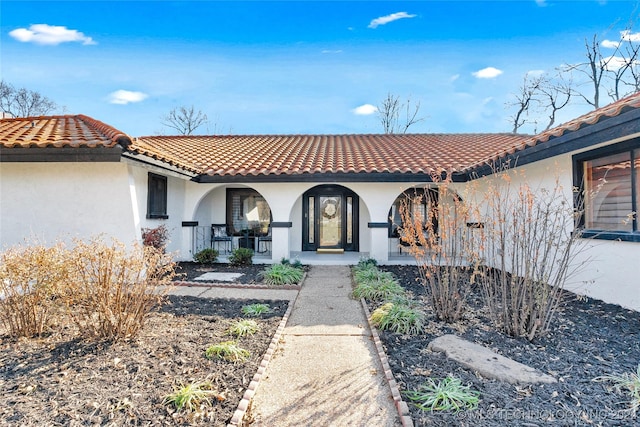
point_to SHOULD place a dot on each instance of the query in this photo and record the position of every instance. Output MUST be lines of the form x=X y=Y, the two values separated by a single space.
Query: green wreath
x=330 y=209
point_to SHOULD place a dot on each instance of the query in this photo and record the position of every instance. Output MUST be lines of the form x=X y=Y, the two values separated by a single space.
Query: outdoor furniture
x=264 y=242
x=220 y=236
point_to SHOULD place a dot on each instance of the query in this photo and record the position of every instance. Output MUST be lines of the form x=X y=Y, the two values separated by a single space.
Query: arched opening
x=330 y=219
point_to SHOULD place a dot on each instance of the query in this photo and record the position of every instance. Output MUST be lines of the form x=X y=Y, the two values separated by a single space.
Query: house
x=321 y=198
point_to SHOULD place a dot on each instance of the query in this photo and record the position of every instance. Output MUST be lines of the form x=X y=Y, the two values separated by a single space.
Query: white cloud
x=454 y=77
x=541 y=3
x=487 y=73
x=49 y=35
x=609 y=44
x=613 y=63
x=365 y=110
x=124 y=97
x=328 y=51
x=383 y=20
x=628 y=36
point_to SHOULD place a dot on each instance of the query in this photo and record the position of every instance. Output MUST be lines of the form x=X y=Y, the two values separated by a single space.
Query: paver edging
x=235 y=285
x=401 y=405
x=237 y=420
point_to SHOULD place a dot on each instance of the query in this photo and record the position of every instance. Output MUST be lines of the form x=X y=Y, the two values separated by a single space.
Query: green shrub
x=255 y=310
x=241 y=256
x=228 y=351
x=296 y=263
x=32 y=278
x=448 y=394
x=243 y=328
x=365 y=263
x=281 y=274
x=206 y=256
x=190 y=396
x=398 y=317
x=378 y=290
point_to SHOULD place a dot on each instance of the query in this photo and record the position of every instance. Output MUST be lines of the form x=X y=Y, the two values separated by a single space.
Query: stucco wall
x=52 y=201
x=605 y=270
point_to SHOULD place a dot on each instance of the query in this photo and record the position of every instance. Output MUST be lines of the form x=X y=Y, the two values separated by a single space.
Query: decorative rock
x=486 y=362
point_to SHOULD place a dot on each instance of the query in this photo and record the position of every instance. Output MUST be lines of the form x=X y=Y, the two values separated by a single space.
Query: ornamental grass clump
x=32 y=283
x=113 y=290
x=227 y=350
x=627 y=383
x=191 y=396
x=399 y=317
x=255 y=310
x=243 y=328
x=448 y=394
x=281 y=274
x=378 y=290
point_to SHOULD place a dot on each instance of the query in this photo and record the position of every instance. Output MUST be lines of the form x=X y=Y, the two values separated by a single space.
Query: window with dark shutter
x=157 y=196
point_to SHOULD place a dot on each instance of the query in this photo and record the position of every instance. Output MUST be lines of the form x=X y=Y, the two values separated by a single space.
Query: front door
x=330 y=219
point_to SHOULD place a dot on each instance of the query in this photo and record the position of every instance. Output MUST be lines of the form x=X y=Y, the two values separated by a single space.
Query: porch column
x=379 y=241
x=280 y=240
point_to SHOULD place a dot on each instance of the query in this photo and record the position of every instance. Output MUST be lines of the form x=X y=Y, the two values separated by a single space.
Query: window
x=610 y=180
x=248 y=211
x=157 y=196
x=422 y=202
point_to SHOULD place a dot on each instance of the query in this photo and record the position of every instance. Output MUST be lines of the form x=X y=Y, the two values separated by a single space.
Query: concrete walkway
x=325 y=371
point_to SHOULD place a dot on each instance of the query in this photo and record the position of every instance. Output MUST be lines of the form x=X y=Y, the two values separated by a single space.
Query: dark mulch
x=62 y=380
x=188 y=271
x=589 y=339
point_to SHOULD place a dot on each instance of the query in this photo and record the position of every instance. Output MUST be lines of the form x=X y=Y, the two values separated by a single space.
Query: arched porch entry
x=330 y=219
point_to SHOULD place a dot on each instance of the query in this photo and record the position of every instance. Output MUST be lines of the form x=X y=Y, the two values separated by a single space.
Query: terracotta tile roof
x=612 y=110
x=255 y=155
x=59 y=131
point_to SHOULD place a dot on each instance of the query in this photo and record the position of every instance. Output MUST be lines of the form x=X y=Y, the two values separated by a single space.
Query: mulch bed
x=589 y=339
x=189 y=271
x=62 y=380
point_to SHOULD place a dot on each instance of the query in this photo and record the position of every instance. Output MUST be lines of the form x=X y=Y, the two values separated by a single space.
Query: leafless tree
x=184 y=119
x=23 y=102
x=524 y=99
x=390 y=111
x=555 y=94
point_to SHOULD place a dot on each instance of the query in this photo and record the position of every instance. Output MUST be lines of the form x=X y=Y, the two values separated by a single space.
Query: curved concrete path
x=326 y=371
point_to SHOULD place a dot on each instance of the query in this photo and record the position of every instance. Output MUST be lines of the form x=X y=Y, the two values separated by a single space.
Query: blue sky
x=295 y=66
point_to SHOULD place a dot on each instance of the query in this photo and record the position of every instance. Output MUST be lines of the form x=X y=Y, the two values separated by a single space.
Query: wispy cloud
x=45 y=34
x=365 y=110
x=328 y=51
x=609 y=44
x=383 y=20
x=124 y=97
x=541 y=3
x=487 y=73
x=628 y=36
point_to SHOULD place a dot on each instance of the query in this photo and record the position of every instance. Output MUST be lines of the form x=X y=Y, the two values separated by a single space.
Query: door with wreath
x=330 y=219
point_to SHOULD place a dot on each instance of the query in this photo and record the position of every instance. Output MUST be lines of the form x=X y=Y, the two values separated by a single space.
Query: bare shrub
x=437 y=239
x=528 y=245
x=31 y=280
x=115 y=290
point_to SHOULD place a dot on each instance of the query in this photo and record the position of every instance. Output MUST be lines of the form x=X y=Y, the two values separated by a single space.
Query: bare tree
x=23 y=102
x=184 y=119
x=524 y=99
x=555 y=94
x=389 y=113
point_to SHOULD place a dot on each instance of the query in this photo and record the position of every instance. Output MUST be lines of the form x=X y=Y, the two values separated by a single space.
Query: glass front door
x=330 y=219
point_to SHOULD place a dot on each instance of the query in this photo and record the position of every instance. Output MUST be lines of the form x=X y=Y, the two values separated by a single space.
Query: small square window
x=157 y=197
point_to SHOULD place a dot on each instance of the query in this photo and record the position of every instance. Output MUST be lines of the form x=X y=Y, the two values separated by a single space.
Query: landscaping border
x=401 y=405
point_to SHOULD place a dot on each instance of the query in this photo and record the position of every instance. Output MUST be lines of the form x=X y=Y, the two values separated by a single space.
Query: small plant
x=192 y=395
x=241 y=256
x=255 y=310
x=228 y=351
x=296 y=263
x=281 y=274
x=378 y=290
x=366 y=263
x=628 y=383
x=448 y=394
x=398 y=317
x=243 y=328
x=206 y=256
x=155 y=237
x=371 y=274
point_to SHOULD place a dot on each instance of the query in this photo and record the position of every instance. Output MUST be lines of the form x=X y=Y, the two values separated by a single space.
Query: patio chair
x=220 y=236
x=264 y=242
